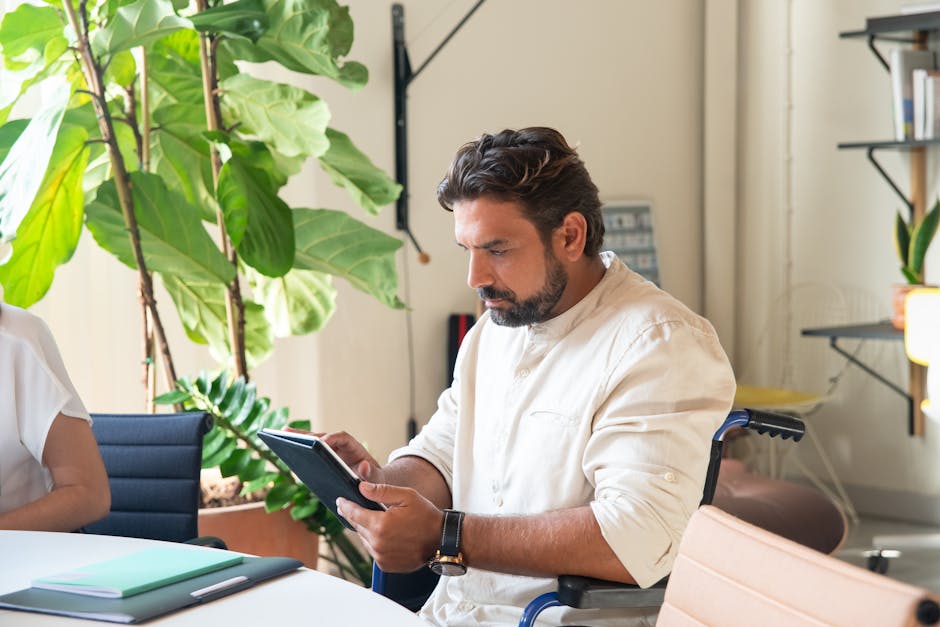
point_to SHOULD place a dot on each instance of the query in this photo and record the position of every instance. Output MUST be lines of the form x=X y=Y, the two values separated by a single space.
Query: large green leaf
x=290 y=119
x=257 y=220
x=240 y=19
x=171 y=233
x=297 y=303
x=902 y=238
x=26 y=30
x=201 y=308
x=306 y=36
x=25 y=165
x=333 y=242
x=49 y=234
x=180 y=155
x=137 y=24
x=369 y=186
x=9 y=133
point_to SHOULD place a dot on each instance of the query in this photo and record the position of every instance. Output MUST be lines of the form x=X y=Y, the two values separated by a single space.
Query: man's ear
x=571 y=236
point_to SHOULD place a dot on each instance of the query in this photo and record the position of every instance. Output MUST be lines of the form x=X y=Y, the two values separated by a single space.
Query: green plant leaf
x=122 y=69
x=279 y=497
x=201 y=308
x=174 y=74
x=235 y=462
x=349 y=168
x=217 y=457
x=172 y=237
x=25 y=165
x=335 y=243
x=290 y=119
x=297 y=303
x=48 y=235
x=172 y=397
x=180 y=155
x=902 y=238
x=257 y=220
x=243 y=19
x=9 y=133
x=26 y=30
x=307 y=36
x=137 y=24
x=921 y=237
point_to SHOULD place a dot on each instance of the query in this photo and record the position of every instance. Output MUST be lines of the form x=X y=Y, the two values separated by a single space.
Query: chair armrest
x=586 y=592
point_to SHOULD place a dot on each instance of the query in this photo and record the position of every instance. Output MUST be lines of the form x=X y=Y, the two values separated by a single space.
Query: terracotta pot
x=898 y=295
x=249 y=529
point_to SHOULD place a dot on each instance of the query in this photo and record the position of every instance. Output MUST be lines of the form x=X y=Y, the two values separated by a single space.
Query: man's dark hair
x=534 y=167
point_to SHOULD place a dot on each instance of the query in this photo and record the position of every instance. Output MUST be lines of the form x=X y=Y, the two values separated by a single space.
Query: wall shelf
x=911 y=29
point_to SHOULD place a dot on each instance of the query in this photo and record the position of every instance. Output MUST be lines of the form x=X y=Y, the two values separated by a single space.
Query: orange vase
x=898 y=296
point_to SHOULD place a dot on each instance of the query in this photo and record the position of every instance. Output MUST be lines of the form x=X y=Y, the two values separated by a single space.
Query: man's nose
x=478 y=272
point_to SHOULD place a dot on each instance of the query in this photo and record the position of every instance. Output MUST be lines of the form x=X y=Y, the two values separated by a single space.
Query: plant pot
x=899 y=293
x=249 y=529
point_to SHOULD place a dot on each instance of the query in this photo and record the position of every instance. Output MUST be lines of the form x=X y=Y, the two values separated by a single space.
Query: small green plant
x=233 y=445
x=913 y=240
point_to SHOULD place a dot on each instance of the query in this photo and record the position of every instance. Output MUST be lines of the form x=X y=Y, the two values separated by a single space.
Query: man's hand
x=405 y=536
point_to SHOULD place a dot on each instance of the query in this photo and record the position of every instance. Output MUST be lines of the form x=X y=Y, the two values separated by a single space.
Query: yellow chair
x=800 y=374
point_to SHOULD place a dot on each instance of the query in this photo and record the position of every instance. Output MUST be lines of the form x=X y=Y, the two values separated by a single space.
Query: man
x=575 y=435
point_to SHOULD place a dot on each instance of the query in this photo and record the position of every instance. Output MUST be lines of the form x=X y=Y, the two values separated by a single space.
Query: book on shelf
x=138 y=572
x=926 y=116
x=902 y=64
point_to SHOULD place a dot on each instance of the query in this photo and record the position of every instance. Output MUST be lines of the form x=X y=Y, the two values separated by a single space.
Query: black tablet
x=319 y=467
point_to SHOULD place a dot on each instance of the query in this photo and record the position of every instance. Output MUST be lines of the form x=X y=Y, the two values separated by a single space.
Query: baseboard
x=895 y=504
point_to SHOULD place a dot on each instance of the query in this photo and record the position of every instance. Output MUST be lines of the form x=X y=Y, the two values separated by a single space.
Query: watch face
x=448 y=569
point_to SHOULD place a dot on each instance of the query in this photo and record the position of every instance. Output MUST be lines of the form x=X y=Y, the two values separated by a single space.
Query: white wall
x=834 y=214
x=622 y=79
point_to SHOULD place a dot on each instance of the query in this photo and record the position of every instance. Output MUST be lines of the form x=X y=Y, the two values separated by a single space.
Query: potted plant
x=151 y=136
x=912 y=241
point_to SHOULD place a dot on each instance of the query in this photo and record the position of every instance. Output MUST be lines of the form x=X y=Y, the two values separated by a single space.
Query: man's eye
x=496 y=252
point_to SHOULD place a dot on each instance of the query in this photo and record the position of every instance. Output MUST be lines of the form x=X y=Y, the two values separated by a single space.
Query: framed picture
x=628 y=232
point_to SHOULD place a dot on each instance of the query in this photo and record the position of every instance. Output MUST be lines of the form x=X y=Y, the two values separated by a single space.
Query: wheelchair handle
x=776 y=424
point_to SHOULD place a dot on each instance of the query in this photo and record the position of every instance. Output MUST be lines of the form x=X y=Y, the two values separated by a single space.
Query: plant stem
x=92 y=72
x=234 y=306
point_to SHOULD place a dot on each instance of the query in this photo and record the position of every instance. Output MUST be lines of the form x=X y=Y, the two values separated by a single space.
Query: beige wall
x=622 y=79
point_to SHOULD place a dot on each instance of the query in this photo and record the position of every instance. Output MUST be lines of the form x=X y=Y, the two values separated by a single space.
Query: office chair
x=413 y=589
x=731 y=573
x=153 y=463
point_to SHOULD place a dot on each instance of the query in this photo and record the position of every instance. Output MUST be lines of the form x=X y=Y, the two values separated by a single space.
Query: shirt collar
x=559 y=326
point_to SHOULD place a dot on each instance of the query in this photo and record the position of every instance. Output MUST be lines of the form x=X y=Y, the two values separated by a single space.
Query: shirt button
x=499 y=501
x=465 y=606
x=524 y=373
x=670 y=477
x=495 y=485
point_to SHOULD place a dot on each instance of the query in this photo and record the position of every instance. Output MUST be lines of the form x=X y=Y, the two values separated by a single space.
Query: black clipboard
x=146 y=605
x=321 y=469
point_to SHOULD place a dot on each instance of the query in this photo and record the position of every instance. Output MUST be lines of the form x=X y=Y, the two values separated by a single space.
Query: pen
x=222 y=585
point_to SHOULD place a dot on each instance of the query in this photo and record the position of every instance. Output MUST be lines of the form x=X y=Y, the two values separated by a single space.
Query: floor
x=919 y=559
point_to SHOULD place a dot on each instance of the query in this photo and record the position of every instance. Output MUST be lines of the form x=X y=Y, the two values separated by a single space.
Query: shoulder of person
x=19 y=323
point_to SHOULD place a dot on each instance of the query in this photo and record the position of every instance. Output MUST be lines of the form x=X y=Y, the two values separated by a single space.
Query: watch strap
x=450 y=532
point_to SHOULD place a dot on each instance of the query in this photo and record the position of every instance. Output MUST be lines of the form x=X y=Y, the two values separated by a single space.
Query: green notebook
x=138 y=572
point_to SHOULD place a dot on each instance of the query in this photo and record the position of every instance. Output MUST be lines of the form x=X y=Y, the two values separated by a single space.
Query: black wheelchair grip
x=776 y=424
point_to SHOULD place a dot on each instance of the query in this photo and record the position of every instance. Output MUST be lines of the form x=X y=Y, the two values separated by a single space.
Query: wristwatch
x=448 y=561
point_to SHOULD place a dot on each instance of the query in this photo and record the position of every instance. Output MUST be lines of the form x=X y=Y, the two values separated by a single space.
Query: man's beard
x=536 y=308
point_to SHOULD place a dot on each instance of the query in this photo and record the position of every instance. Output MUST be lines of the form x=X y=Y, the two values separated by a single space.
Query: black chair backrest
x=153 y=463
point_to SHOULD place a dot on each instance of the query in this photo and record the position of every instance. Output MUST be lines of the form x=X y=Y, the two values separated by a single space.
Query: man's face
x=519 y=281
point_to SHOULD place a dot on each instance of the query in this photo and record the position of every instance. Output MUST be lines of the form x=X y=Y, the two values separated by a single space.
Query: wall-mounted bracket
x=403 y=77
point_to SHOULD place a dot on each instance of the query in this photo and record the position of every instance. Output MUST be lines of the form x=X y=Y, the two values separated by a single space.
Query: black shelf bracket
x=890 y=181
x=877 y=53
x=403 y=77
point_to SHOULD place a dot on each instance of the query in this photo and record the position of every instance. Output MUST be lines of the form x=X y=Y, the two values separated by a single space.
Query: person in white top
x=51 y=474
x=575 y=436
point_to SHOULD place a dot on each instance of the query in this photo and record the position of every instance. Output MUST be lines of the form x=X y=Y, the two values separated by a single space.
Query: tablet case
x=326 y=478
x=147 y=605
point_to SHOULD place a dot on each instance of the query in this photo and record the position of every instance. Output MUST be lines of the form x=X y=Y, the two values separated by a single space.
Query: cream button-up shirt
x=612 y=404
x=34 y=389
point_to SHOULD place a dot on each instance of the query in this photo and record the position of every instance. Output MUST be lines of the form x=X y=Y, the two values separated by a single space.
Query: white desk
x=305 y=597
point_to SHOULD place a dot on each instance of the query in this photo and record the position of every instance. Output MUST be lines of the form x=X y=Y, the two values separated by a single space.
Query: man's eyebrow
x=493 y=243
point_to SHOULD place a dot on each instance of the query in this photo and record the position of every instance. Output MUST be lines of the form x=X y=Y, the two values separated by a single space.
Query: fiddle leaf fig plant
x=912 y=242
x=156 y=133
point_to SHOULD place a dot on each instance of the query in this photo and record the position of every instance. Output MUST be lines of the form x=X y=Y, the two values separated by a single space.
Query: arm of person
x=406 y=536
x=80 y=492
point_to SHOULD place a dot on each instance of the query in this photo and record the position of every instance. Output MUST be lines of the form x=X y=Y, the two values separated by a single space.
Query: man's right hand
x=355 y=455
